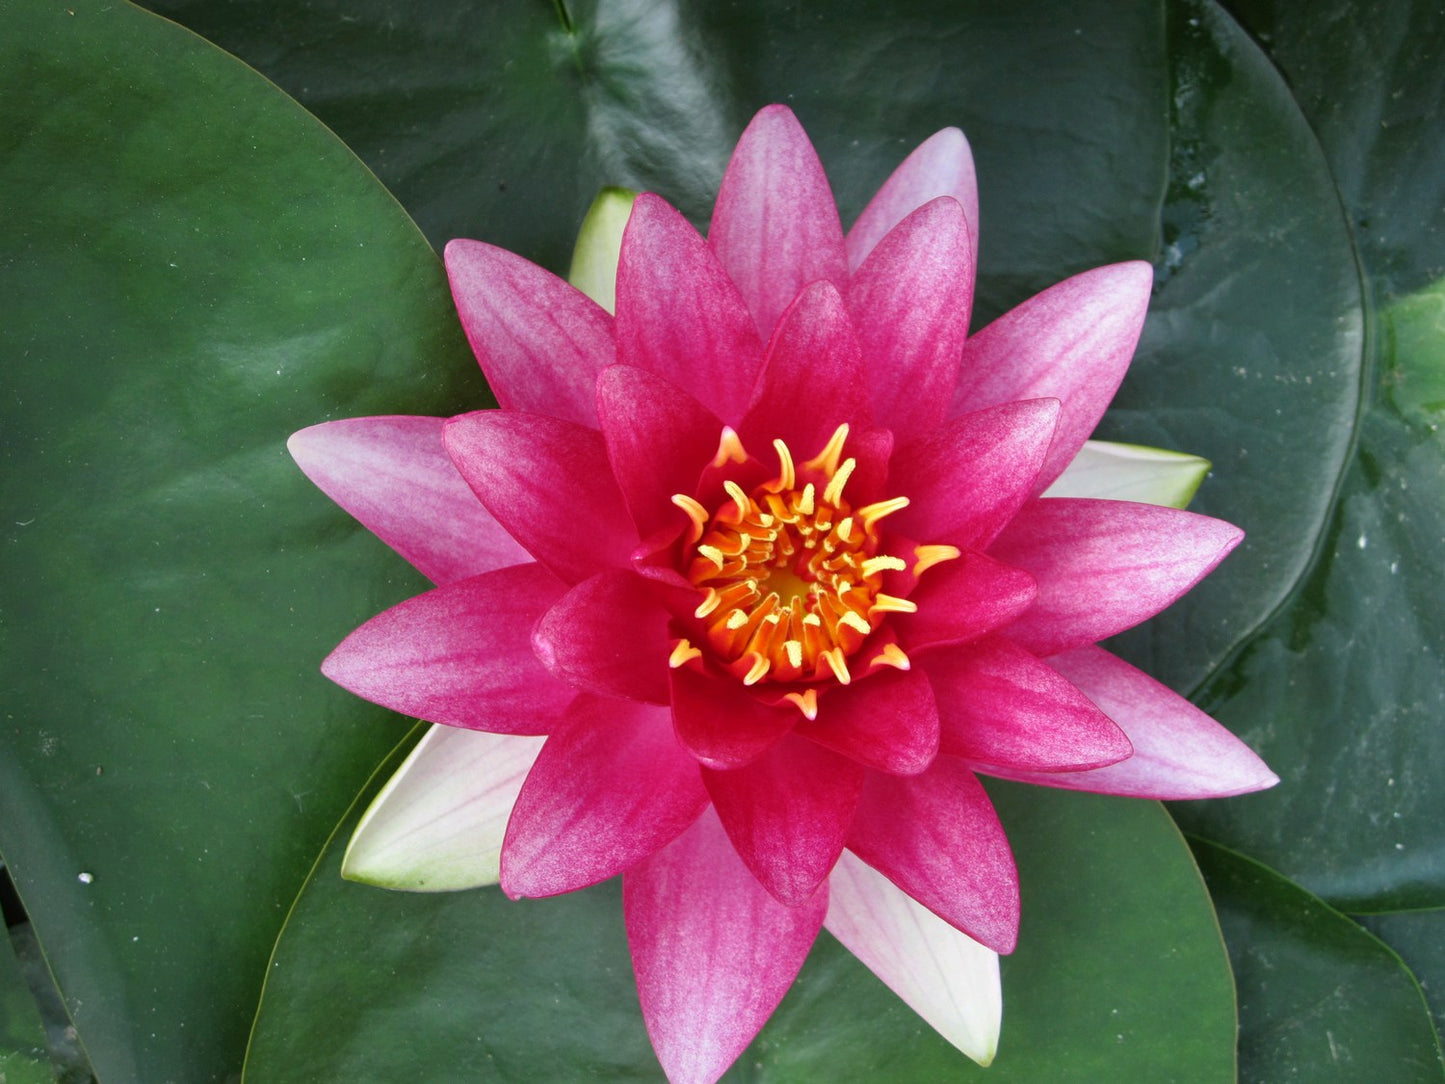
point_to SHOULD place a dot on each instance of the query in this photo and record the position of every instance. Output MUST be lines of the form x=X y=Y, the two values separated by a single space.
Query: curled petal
x=720 y=724
x=888 y=722
x=714 y=952
x=437 y=825
x=1130 y=472
x=394 y=475
x=460 y=655
x=608 y=635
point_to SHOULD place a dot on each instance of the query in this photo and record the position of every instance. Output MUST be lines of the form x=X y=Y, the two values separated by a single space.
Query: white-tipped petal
x=1131 y=472
x=438 y=824
x=594 y=257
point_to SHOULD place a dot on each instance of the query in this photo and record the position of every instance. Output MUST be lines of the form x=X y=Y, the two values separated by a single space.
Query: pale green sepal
x=1415 y=350
x=599 y=242
x=437 y=825
x=1131 y=472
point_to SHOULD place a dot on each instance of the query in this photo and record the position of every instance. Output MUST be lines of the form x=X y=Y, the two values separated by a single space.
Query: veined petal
x=1104 y=566
x=1131 y=472
x=599 y=242
x=964 y=599
x=394 y=475
x=460 y=655
x=437 y=825
x=540 y=341
x=610 y=787
x=941 y=973
x=787 y=814
x=937 y=837
x=608 y=635
x=680 y=316
x=942 y=165
x=1073 y=342
x=720 y=724
x=1179 y=752
x=889 y=722
x=1000 y=705
x=775 y=226
x=911 y=301
x=714 y=952
x=542 y=477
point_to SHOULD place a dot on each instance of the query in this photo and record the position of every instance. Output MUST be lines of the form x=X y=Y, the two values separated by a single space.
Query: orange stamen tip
x=827 y=460
x=787 y=474
x=888 y=604
x=729 y=448
x=871 y=514
x=892 y=655
x=856 y=623
x=834 y=493
x=805 y=701
x=758 y=670
x=925 y=557
x=682 y=652
x=838 y=663
x=695 y=512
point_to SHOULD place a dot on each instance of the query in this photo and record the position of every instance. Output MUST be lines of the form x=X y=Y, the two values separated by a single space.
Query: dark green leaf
x=1419 y=937
x=24 y=1057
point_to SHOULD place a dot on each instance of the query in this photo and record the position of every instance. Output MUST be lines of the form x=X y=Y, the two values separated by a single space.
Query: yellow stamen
x=883 y=562
x=794 y=650
x=695 y=512
x=855 y=622
x=925 y=557
x=740 y=499
x=759 y=668
x=827 y=460
x=711 y=600
x=806 y=702
x=729 y=448
x=787 y=475
x=682 y=652
x=887 y=604
x=713 y=554
x=838 y=663
x=871 y=514
x=891 y=655
x=805 y=502
x=834 y=493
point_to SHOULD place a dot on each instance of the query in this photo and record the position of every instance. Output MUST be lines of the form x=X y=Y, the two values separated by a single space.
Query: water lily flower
x=742 y=587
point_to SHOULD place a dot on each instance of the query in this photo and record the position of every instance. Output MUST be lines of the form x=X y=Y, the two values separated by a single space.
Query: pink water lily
x=767 y=558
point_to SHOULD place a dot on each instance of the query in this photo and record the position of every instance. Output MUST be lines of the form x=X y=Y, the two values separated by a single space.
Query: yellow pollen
x=713 y=554
x=806 y=702
x=695 y=512
x=925 y=557
x=875 y=565
x=736 y=620
x=805 y=502
x=729 y=448
x=794 y=649
x=856 y=623
x=826 y=461
x=892 y=655
x=871 y=514
x=682 y=652
x=845 y=529
x=834 y=493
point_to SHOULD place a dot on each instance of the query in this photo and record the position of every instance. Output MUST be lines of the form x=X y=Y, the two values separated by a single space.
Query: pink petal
x=460 y=655
x=394 y=476
x=888 y=722
x=999 y=705
x=714 y=952
x=775 y=226
x=943 y=975
x=680 y=316
x=963 y=599
x=1072 y=342
x=787 y=814
x=437 y=825
x=937 y=837
x=1179 y=752
x=911 y=301
x=1104 y=566
x=608 y=635
x=972 y=474
x=610 y=787
x=720 y=724
x=812 y=377
x=549 y=483
x=942 y=165
x=540 y=341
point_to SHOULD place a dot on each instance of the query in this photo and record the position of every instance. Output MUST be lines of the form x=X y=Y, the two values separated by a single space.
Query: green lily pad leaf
x=1319 y=997
x=24 y=1052
x=1419 y=938
x=194 y=268
x=1120 y=974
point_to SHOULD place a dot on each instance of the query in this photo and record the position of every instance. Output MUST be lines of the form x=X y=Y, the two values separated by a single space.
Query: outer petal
x=437 y=825
x=720 y=724
x=714 y=952
x=394 y=476
x=680 y=316
x=962 y=600
x=460 y=655
x=889 y=722
x=1179 y=752
x=937 y=837
x=942 y=165
x=608 y=635
x=542 y=478
x=1104 y=566
x=599 y=242
x=610 y=787
x=1131 y=472
x=787 y=814
x=775 y=226
x=911 y=301
x=1072 y=342
x=999 y=705
x=540 y=341
x=943 y=975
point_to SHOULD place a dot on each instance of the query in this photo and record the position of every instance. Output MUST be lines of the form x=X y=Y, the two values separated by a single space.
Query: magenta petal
x=942 y=165
x=608 y=635
x=659 y=439
x=1179 y=752
x=394 y=475
x=937 y=837
x=1073 y=342
x=812 y=377
x=787 y=813
x=549 y=483
x=1104 y=566
x=775 y=226
x=460 y=655
x=680 y=316
x=540 y=341
x=714 y=952
x=1000 y=705
x=911 y=301
x=610 y=787
x=963 y=599
x=720 y=724
x=972 y=474
x=888 y=722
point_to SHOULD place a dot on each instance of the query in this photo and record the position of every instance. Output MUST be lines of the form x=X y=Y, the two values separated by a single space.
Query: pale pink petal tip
x=437 y=825
x=942 y=165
